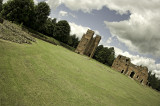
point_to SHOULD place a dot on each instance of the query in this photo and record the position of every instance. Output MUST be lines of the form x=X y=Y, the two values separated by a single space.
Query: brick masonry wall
x=123 y=64
x=88 y=44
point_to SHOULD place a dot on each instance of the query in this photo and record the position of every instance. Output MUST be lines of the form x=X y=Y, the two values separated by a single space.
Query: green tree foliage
x=48 y=27
x=62 y=31
x=73 y=41
x=104 y=55
x=154 y=82
x=42 y=12
x=158 y=88
x=70 y=41
x=1 y=1
x=20 y=11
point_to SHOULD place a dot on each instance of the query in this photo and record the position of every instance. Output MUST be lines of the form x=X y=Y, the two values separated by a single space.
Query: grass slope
x=43 y=74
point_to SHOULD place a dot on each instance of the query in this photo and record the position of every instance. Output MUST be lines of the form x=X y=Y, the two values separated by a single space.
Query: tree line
x=1 y=5
x=104 y=55
x=26 y=13
x=153 y=81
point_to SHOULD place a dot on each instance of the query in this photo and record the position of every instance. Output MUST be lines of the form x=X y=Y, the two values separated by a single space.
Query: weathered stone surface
x=123 y=64
x=88 y=44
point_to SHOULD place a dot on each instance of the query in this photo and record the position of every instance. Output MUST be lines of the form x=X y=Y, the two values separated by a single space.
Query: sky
x=132 y=27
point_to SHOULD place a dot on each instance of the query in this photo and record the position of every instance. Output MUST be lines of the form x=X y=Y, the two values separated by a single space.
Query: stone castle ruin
x=88 y=44
x=123 y=64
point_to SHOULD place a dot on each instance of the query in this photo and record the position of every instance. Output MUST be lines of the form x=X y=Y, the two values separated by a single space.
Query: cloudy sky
x=132 y=27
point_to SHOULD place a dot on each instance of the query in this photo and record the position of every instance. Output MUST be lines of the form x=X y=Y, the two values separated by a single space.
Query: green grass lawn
x=42 y=74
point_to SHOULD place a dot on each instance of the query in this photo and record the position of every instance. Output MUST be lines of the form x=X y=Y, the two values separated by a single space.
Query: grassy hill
x=42 y=74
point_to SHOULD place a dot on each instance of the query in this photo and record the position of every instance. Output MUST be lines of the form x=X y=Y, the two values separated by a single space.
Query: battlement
x=123 y=59
x=98 y=38
x=90 y=32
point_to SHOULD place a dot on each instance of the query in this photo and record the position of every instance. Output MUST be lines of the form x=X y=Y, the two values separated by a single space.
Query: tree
x=42 y=12
x=70 y=41
x=1 y=1
x=149 y=78
x=158 y=88
x=101 y=56
x=100 y=47
x=154 y=82
x=104 y=55
x=111 y=56
x=62 y=31
x=20 y=11
x=48 y=27
x=73 y=41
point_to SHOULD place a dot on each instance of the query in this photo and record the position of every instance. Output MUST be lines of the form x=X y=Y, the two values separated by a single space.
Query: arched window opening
x=147 y=83
x=127 y=60
x=141 y=80
x=122 y=71
x=132 y=74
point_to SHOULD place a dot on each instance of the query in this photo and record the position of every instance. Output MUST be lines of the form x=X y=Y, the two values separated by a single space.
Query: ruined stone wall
x=95 y=44
x=88 y=44
x=91 y=50
x=85 y=42
x=90 y=47
x=124 y=65
x=121 y=64
x=141 y=73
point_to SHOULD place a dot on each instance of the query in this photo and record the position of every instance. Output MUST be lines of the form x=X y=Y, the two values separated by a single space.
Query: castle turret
x=84 y=43
x=88 y=44
x=95 y=44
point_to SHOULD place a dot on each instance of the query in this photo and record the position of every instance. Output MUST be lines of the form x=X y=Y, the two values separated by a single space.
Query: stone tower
x=88 y=44
x=123 y=65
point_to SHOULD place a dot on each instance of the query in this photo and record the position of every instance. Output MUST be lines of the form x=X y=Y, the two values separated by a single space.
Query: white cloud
x=4 y=1
x=109 y=40
x=63 y=13
x=53 y=3
x=79 y=30
x=140 y=32
x=140 y=60
x=35 y=1
x=74 y=16
x=84 y=5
